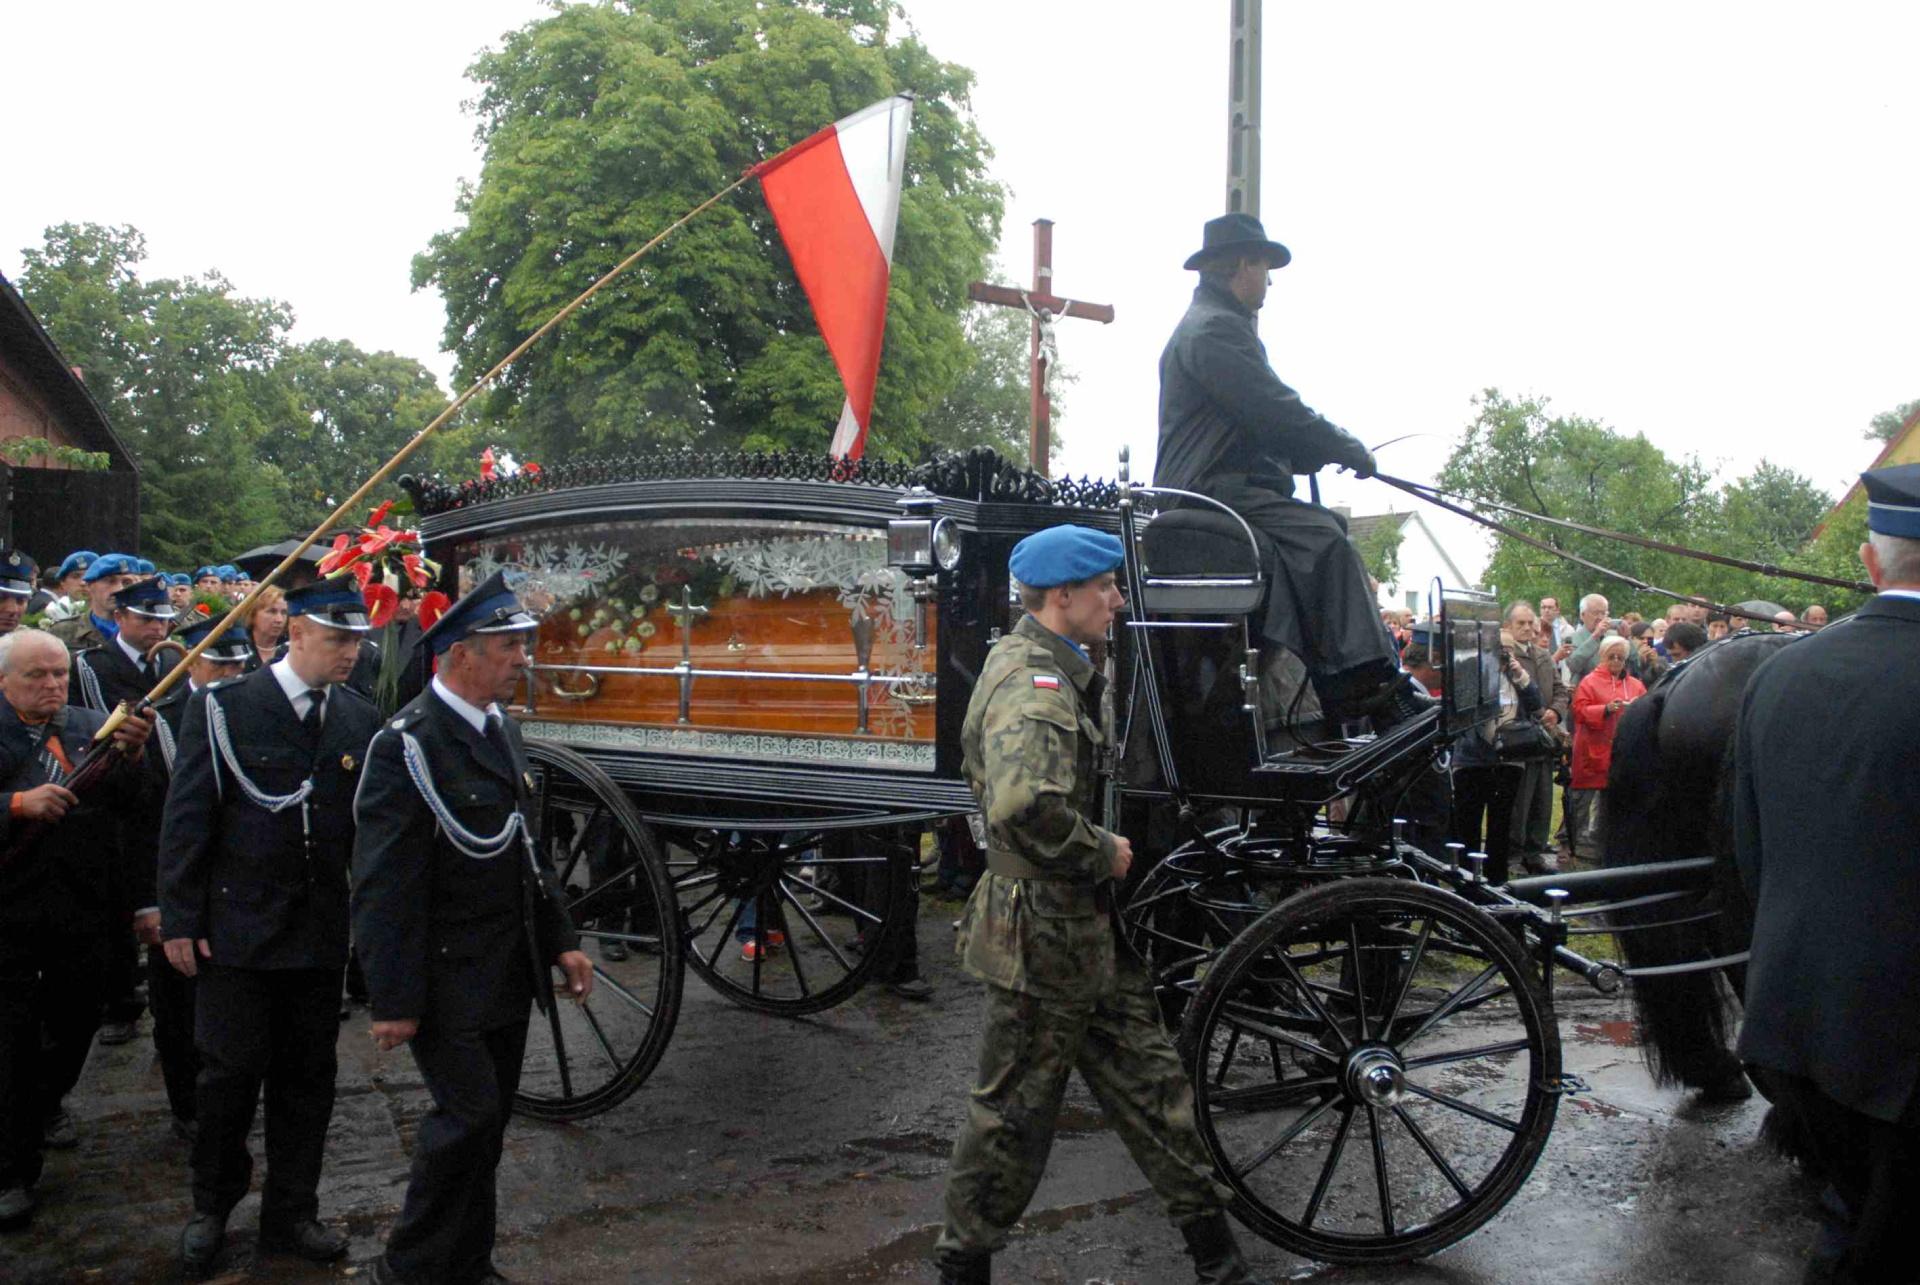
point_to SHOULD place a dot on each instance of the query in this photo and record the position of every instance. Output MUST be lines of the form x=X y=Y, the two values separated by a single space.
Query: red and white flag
x=836 y=199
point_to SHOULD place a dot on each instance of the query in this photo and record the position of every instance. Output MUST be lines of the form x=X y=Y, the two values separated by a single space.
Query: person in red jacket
x=1597 y=704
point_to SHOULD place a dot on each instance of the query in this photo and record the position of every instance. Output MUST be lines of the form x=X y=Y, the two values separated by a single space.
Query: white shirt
x=1900 y=593
x=296 y=689
x=132 y=653
x=475 y=716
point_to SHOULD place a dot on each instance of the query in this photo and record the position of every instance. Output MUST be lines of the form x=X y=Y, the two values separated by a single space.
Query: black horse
x=1669 y=796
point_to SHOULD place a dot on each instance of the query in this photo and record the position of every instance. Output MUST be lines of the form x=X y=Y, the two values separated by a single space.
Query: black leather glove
x=1363 y=465
x=1354 y=456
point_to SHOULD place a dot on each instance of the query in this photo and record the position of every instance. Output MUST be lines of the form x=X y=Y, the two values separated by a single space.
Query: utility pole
x=1243 y=109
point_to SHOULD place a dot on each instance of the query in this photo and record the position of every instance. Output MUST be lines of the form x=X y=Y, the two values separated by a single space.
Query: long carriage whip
x=352 y=502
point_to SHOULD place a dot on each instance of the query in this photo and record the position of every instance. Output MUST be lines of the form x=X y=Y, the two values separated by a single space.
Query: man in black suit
x=457 y=924
x=253 y=901
x=170 y=992
x=61 y=898
x=1827 y=831
x=113 y=671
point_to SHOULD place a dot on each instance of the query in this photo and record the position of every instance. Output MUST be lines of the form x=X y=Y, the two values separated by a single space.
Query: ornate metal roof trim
x=980 y=475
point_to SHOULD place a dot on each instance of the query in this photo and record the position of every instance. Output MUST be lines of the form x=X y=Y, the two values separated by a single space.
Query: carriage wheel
x=791 y=922
x=585 y=1058
x=1380 y=1120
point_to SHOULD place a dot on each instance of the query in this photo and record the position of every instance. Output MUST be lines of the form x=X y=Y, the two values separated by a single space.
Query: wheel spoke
x=1462 y=1055
x=1451 y=1003
x=593 y=1024
x=1406 y=982
x=793 y=941
x=1313 y=1000
x=814 y=924
x=1245 y=1015
x=1226 y=1059
x=1326 y=1170
x=1433 y=1152
x=1381 y=1180
x=578 y=847
x=622 y=991
x=1259 y=1097
x=1433 y=1095
x=841 y=902
x=1359 y=989
x=726 y=934
x=559 y=1046
x=1306 y=1120
x=605 y=884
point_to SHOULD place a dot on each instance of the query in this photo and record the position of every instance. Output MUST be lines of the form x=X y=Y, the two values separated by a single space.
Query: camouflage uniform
x=1061 y=991
x=78 y=632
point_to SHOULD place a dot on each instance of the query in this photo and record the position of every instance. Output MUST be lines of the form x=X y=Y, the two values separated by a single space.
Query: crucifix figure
x=685 y=613
x=1046 y=308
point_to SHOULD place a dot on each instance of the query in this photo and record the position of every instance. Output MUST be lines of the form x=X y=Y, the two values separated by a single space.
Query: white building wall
x=1423 y=557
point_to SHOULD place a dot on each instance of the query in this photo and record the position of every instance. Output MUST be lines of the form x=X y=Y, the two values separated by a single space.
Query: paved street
x=811 y=1151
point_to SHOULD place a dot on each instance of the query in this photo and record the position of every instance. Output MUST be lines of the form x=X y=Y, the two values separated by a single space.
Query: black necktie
x=497 y=737
x=316 y=701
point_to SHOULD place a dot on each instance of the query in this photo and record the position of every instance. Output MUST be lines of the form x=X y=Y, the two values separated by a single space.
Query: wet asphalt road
x=811 y=1151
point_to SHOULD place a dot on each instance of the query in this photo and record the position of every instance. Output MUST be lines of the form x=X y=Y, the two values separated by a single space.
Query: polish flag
x=836 y=199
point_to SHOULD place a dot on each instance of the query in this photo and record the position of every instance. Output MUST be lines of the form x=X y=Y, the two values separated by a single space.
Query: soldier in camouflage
x=1062 y=991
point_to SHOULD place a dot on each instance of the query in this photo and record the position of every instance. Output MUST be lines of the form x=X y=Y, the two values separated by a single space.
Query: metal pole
x=1040 y=420
x=1243 y=109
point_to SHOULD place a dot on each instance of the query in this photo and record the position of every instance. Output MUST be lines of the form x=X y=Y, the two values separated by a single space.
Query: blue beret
x=179 y=579
x=142 y=567
x=204 y=572
x=78 y=560
x=1893 y=500
x=488 y=608
x=110 y=564
x=1064 y=555
x=229 y=573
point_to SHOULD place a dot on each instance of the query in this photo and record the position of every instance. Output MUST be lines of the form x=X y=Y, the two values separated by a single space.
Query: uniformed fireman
x=254 y=853
x=1063 y=992
x=457 y=925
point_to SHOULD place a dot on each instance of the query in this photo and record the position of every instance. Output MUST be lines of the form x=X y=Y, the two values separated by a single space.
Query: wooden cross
x=1046 y=308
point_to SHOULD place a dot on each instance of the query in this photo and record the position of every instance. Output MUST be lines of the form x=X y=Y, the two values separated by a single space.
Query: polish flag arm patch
x=1048 y=681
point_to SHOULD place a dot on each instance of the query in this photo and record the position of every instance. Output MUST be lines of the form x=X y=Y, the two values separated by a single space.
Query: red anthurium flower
x=415 y=572
x=201 y=607
x=432 y=606
x=381 y=600
x=374 y=518
x=332 y=561
x=362 y=572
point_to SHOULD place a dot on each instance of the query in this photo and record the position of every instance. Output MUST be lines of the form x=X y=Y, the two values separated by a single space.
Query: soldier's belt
x=1011 y=865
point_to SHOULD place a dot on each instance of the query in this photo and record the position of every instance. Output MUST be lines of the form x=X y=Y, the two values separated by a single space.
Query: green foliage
x=604 y=123
x=991 y=405
x=1888 y=423
x=1516 y=452
x=25 y=450
x=241 y=436
x=1379 y=547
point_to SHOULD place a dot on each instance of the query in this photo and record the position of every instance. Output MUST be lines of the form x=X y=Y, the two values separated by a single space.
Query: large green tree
x=241 y=435
x=1888 y=423
x=1516 y=452
x=604 y=123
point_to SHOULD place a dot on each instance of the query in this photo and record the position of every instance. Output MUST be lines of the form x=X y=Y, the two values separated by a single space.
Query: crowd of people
x=1563 y=685
x=205 y=835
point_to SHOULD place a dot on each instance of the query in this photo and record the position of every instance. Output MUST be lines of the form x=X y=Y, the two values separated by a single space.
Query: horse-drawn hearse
x=744 y=708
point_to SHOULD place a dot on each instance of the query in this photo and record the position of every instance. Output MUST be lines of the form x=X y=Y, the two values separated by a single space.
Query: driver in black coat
x=457 y=924
x=1230 y=430
x=1827 y=832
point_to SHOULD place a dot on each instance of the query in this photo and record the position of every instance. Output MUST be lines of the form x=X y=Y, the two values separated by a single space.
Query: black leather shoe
x=200 y=1242
x=1216 y=1255
x=966 y=1269
x=917 y=989
x=60 y=1133
x=384 y=1274
x=309 y=1238
x=117 y=1033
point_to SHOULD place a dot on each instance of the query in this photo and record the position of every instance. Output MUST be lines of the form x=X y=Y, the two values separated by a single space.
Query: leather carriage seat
x=1188 y=552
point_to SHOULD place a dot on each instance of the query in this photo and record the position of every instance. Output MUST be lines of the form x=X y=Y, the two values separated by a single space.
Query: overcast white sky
x=1694 y=221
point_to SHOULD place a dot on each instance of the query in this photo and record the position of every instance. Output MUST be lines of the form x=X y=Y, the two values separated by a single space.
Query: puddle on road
x=1619 y=1034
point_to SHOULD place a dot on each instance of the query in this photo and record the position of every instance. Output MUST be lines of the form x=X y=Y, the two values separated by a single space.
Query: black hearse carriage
x=745 y=706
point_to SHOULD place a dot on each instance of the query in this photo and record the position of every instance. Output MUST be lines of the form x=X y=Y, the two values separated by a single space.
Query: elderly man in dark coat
x=1229 y=429
x=1827 y=831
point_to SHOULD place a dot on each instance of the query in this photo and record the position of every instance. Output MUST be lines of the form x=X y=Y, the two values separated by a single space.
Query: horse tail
x=1651 y=816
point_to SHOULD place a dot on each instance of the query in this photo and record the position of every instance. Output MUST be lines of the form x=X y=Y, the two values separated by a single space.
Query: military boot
x=1216 y=1255
x=966 y=1269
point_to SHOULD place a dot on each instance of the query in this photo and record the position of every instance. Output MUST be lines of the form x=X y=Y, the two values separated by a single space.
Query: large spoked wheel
x=791 y=922
x=583 y=1058
x=1374 y=1069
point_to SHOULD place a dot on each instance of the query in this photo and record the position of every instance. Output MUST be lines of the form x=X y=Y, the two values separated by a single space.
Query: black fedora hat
x=1235 y=234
